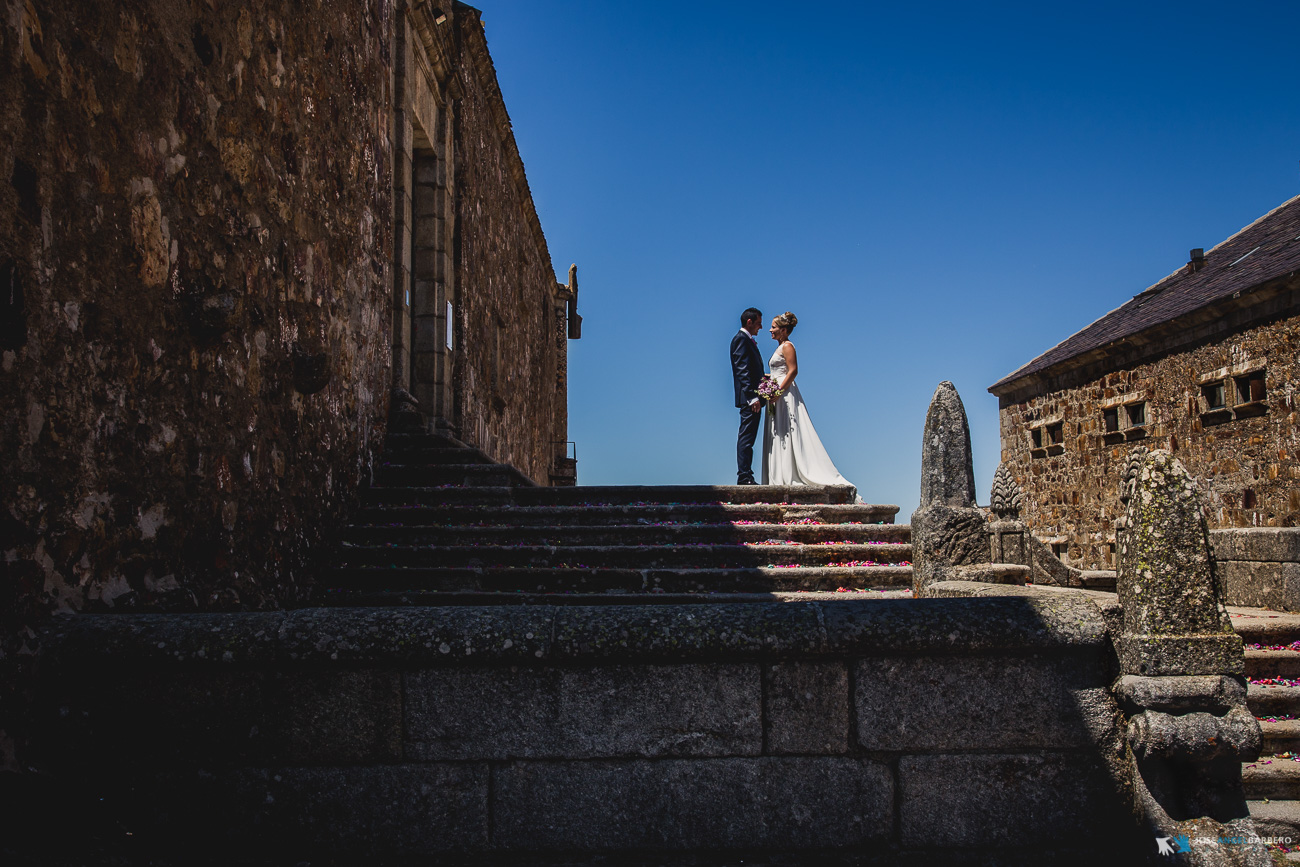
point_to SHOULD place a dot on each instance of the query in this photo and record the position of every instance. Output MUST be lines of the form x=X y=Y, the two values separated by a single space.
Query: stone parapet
x=579 y=731
x=1259 y=566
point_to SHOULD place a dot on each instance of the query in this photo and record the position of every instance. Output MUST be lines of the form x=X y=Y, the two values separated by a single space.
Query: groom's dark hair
x=750 y=314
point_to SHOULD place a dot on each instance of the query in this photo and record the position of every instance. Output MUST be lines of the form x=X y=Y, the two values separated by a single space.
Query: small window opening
x=1250 y=388
x=1214 y=395
x=1055 y=434
x=1137 y=414
x=1110 y=419
x=1036 y=437
x=1248 y=499
x=1061 y=549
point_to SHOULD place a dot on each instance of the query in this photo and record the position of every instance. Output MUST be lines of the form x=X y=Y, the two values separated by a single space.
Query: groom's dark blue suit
x=747 y=371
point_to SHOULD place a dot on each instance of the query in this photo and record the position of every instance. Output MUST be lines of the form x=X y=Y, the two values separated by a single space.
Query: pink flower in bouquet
x=768 y=390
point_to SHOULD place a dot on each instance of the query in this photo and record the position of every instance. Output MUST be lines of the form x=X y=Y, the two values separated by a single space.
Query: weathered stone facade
x=1247 y=467
x=1214 y=386
x=226 y=232
x=481 y=326
x=196 y=234
x=510 y=382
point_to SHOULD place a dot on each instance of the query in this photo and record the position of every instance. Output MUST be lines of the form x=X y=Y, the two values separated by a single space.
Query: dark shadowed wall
x=196 y=239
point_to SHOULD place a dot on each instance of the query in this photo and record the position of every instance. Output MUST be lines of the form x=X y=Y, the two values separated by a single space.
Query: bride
x=793 y=454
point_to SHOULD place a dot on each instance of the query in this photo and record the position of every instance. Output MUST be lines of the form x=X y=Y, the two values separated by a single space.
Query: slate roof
x=1267 y=248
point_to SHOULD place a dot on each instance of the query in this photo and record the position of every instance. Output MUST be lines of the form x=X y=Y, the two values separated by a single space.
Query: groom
x=746 y=371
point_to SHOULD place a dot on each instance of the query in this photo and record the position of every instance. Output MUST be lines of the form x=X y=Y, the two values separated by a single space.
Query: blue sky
x=937 y=190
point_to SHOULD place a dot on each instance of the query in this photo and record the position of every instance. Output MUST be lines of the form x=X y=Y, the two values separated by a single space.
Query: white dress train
x=793 y=454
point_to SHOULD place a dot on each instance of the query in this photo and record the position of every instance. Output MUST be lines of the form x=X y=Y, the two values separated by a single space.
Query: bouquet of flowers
x=768 y=390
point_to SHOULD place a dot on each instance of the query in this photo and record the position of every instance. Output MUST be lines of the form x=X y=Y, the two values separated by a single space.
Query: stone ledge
x=421 y=637
x=1258 y=544
x=780 y=804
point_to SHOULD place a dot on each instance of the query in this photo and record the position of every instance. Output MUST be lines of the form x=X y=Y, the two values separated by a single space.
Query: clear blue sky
x=937 y=190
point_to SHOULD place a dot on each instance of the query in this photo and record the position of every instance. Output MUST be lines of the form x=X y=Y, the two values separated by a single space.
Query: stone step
x=732 y=555
x=380 y=581
x=649 y=533
x=413 y=492
x=1280 y=736
x=401 y=440
x=365 y=598
x=1273 y=700
x=1273 y=663
x=1264 y=627
x=481 y=475
x=429 y=454
x=1279 y=818
x=415 y=513
x=1272 y=779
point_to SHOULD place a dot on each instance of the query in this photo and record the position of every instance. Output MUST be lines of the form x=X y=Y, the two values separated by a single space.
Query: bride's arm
x=791 y=363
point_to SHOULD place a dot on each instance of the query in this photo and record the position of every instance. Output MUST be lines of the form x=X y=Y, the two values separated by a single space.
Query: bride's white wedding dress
x=793 y=454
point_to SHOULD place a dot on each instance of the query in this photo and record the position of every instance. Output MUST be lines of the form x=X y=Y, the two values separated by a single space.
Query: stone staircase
x=443 y=524
x=1272 y=784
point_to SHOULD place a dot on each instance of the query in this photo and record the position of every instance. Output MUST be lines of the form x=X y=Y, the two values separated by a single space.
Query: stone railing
x=1259 y=566
x=927 y=727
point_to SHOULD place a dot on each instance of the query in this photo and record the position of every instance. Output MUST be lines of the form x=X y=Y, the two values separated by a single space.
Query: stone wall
x=934 y=729
x=510 y=374
x=194 y=251
x=1243 y=457
x=1259 y=566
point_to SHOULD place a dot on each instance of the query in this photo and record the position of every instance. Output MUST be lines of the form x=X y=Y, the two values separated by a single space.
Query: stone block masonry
x=1259 y=566
x=912 y=729
x=228 y=231
x=194 y=207
x=1243 y=457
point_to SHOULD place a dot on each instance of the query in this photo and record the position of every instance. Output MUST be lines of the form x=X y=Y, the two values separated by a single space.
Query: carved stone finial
x=1175 y=622
x=1189 y=727
x=1005 y=496
x=1131 y=467
x=947 y=470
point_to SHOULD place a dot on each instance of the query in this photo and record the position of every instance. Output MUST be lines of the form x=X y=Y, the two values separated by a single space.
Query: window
x=1250 y=394
x=1250 y=388
x=1036 y=437
x=1055 y=434
x=1124 y=418
x=1215 y=396
x=1233 y=393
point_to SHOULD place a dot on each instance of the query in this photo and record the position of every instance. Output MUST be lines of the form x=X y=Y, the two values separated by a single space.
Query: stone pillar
x=1182 y=670
x=948 y=531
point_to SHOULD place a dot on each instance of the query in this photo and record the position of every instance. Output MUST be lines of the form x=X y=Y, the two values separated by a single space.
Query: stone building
x=1204 y=363
x=227 y=233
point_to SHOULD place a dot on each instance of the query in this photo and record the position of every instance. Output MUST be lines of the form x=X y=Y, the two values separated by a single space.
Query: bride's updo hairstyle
x=786 y=320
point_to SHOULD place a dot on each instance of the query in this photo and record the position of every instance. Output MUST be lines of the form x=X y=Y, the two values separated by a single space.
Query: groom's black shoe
x=748 y=481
